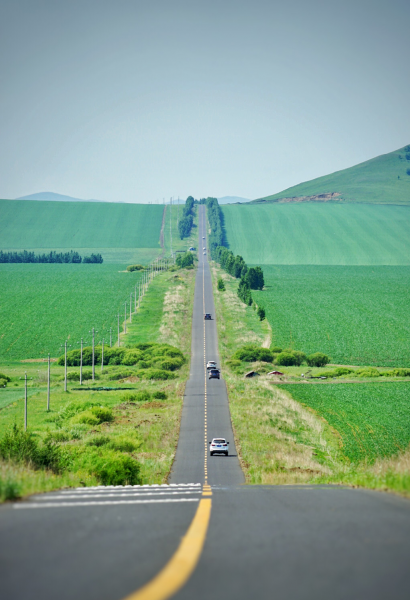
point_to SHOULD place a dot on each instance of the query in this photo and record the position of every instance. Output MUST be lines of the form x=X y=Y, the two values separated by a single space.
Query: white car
x=211 y=364
x=203 y=248
x=219 y=446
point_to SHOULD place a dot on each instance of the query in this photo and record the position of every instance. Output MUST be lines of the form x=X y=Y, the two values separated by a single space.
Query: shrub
x=3 y=383
x=276 y=349
x=300 y=357
x=59 y=436
x=98 y=441
x=75 y=376
x=251 y=353
x=234 y=363
x=171 y=364
x=160 y=395
x=77 y=432
x=261 y=313
x=87 y=375
x=111 y=467
x=221 y=285
x=318 y=359
x=142 y=396
x=20 y=446
x=287 y=359
x=132 y=357
x=120 y=375
x=5 y=377
x=367 y=372
x=9 y=490
x=95 y=416
x=132 y=268
x=124 y=444
x=158 y=374
x=185 y=261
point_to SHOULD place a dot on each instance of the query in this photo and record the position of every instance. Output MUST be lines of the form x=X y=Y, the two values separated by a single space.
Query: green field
x=42 y=305
x=319 y=234
x=383 y=179
x=373 y=420
x=356 y=315
x=26 y=224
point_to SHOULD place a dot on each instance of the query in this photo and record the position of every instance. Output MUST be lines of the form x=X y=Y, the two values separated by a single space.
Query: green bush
x=170 y=364
x=124 y=444
x=157 y=374
x=21 y=447
x=160 y=395
x=98 y=441
x=142 y=396
x=110 y=466
x=94 y=416
x=9 y=490
x=286 y=359
x=120 y=375
x=3 y=383
x=261 y=313
x=318 y=359
x=74 y=376
x=300 y=357
x=185 y=261
x=276 y=349
x=234 y=363
x=132 y=357
x=367 y=372
x=132 y=268
x=5 y=377
x=252 y=353
x=221 y=285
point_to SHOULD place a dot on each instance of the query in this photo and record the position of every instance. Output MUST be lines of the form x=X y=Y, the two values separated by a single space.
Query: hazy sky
x=140 y=100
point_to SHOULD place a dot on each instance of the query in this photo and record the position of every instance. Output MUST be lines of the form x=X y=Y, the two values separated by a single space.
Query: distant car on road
x=203 y=248
x=214 y=374
x=208 y=317
x=204 y=253
x=211 y=364
x=203 y=237
x=219 y=446
x=191 y=249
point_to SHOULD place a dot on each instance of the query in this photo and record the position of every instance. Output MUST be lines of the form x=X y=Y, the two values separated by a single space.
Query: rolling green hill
x=319 y=234
x=26 y=224
x=381 y=180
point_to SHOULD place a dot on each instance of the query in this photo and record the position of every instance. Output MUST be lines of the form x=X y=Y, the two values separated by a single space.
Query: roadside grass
x=174 y=213
x=145 y=430
x=281 y=440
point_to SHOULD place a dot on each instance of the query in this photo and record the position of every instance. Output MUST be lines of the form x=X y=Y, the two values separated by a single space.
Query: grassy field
x=356 y=315
x=372 y=420
x=319 y=234
x=75 y=225
x=42 y=305
x=146 y=431
x=174 y=214
x=380 y=180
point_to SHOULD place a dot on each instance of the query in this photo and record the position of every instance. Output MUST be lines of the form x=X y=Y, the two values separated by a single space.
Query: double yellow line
x=182 y=564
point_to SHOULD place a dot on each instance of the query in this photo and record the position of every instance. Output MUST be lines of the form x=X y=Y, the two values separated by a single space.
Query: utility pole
x=170 y=222
x=93 y=361
x=48 y=385
x=110 y=337
x=131 y=307
x=102 y=356
x=125 y=322
x=25 y=401
x=118 y=330
x=65 y=366
x=135 y=298
x=81 y=363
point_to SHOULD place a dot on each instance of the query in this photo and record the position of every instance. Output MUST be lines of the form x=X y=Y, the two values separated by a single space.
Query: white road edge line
x=115 y=495
x=95 y=503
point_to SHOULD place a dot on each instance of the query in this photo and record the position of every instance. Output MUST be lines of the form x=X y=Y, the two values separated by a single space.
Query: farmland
x=383 y=179
x=319 y=234
x=74 y=225
x=372 y=420
x=356 y=315
x=41 y=305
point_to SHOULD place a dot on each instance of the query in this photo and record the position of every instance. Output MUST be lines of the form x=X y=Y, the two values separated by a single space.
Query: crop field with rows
x=319 y=234
x=42 y=305
x=26 y=224
x=372 y=419
x=356 y=315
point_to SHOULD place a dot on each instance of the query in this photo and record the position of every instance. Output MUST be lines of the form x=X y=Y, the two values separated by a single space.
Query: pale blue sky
x=140 y=100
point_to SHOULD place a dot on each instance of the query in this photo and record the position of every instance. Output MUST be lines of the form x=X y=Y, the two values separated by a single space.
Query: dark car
x=214 y=374
x=207 y=317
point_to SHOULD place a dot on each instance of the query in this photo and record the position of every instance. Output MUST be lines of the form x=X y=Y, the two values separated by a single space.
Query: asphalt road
x=285 y=542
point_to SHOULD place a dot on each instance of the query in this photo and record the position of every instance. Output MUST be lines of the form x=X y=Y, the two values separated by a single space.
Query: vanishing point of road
x=206 y=535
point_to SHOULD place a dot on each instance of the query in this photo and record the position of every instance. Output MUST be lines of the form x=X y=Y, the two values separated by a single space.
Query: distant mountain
x=232 y=199
x=51 y=196
x=381 y=180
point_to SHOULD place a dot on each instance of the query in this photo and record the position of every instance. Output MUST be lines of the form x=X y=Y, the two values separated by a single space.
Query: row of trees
x=251 y=278
x=185 y=224
x=216 y=237
x=51 y=257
